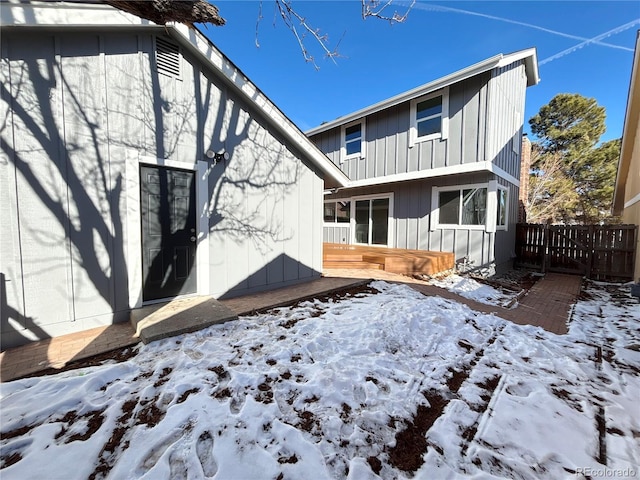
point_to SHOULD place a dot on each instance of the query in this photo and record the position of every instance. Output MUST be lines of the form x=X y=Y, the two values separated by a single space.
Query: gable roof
x=529 y=57
x=80 y=15
x=629 y=132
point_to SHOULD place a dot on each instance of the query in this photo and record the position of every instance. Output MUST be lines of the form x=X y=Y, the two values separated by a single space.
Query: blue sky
x=380 y=60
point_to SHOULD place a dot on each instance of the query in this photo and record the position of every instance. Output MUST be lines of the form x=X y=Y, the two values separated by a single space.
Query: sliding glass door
x=372 y=221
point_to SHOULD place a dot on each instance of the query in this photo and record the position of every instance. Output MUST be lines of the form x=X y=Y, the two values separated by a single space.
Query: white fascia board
x=530 y=58
x=436 y=172
x=70 y=15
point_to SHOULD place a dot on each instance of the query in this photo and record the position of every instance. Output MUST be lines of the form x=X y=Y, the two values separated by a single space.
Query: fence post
x=545 y=247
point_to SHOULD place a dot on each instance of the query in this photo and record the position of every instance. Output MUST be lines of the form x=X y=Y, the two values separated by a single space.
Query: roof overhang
x=72 y=15
x=529 y=56
x=629 y=138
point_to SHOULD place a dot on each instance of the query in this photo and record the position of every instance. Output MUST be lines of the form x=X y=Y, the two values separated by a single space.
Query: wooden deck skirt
x=394 y=260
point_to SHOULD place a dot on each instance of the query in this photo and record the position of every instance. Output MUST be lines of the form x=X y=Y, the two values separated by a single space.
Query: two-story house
x=434 y=168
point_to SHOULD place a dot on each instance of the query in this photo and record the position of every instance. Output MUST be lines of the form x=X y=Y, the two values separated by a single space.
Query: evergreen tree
x=572 y=178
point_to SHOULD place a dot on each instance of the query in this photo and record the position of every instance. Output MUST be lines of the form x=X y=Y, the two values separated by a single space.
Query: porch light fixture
x=217 y=157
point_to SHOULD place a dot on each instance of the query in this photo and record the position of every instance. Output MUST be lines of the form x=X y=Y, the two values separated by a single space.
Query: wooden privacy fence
x=600 y=252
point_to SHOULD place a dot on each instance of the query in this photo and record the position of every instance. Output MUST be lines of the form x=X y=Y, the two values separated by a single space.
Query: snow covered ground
x=473 y=290
x=384 y=384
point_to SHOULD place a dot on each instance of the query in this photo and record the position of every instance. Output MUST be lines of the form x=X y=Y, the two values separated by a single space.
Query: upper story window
x=429 y=117
x=352 y=140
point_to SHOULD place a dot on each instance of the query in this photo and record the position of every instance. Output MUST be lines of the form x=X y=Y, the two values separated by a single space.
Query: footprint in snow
x=237 y=403
x=155 y=453
x=178 y=470
x=204 y=451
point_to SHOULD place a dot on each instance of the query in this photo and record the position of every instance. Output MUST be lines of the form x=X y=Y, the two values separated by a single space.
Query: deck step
x=393 y=260
x=353 y=265
x=342 y=257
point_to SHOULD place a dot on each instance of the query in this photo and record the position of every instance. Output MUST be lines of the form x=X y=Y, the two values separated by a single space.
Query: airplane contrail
x=425 y=6
x=591 y=40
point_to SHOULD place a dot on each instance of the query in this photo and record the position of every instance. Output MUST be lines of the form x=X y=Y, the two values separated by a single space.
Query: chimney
x=525 y=166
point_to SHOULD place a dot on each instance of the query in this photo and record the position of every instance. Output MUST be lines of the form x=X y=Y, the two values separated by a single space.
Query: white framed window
x=502 y=212
x=337 y=211
x=352 y=140
x=429 y=117
x=460 y=207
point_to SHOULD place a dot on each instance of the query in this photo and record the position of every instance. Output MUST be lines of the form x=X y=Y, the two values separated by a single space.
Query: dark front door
x=168 y=198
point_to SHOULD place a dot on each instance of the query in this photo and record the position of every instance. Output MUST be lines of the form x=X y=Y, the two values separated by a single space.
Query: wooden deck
x=394 y=260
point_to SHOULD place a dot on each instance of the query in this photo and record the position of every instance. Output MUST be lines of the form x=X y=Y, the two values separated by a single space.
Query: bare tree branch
x=289 y=17
x=376 y=8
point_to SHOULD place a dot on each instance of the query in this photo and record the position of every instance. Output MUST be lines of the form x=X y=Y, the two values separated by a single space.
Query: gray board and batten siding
x=83 y=111
x=485 y=119
x=485 y=123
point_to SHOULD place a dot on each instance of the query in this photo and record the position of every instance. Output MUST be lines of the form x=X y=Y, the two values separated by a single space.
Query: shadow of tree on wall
x=86 y=209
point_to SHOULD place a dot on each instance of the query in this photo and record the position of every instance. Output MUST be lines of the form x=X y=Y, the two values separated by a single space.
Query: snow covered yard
x=387 y=383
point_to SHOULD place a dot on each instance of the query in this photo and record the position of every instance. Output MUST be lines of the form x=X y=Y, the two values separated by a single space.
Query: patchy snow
x=473 y=290
x=386 y=385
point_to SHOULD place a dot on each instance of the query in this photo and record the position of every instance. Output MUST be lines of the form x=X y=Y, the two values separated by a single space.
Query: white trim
x=531 y=66
x=504 y=227
x=202 y=211
x=444 y=118
x=134 y=234
x=502 y=174
x=343 y=141
x=434 y=218
x=436 y=172
x=633 y=201
x=134 y=218
x=492 y=207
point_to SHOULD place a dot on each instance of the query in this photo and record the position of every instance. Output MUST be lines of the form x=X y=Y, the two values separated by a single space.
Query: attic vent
x=167 y=57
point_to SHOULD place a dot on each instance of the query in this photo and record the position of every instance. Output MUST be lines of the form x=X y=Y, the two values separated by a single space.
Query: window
x=501 y=216
x=337 y=211
x=352 y=140
x=429 y=117
x=464 y=206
